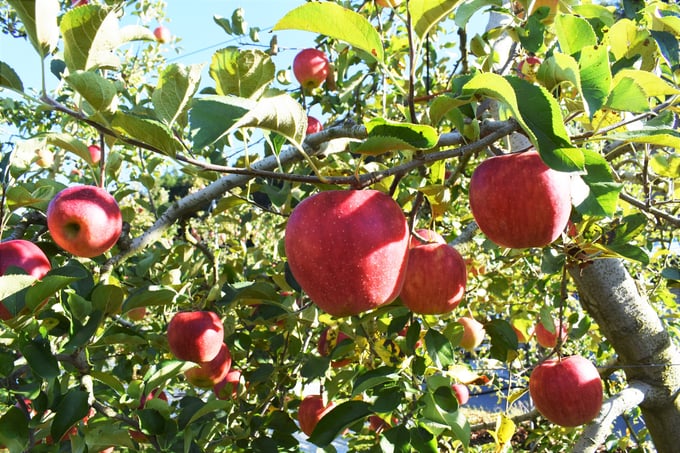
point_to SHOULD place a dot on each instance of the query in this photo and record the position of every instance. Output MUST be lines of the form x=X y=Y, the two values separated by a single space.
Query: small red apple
x=313 y=125
x=23 y=255
x=311 y=68
x=162 y=34
x=462 y=393
x=207 y=374
x=95 y=153
x=311 y=410
x=473 y=333
x=548 y=339
x=347 y=249
x=76 y=3
x=567 y=391
x=328 y=340
x=196 y=336
x=518 y=201
x=84 y=220
x=228 y=387
x=377 y=424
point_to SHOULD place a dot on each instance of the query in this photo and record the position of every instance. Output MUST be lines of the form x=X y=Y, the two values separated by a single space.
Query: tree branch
x=596 y=432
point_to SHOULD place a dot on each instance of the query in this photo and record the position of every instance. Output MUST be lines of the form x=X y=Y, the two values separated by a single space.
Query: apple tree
x=208 y=163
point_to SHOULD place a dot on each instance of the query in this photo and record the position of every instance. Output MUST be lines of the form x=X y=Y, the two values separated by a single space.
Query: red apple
x=518 y=201
x=311 y=68
x=162 y=34
x=228 y=387
x=435 y=279
x=425 y=236
x=348 y=249
x=328 y=340
x=311 y=410
x=95 y=153
x=473 y=333
x=136 y=314
x=548 y=339
x=526 y=69
x=377 y=424
x=207 y=374
x=84 y=220
x=566 y=391
x=23 y=255
x=313 y=125
x=76 y=3
x=462 y=393
x=196 y=336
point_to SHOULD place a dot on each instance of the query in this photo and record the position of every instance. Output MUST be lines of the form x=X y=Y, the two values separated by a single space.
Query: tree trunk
x=644 y=348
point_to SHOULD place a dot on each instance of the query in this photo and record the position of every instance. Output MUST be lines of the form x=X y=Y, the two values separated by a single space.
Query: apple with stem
x=207 y=374
x=196 y=336
x=162 y=34
x=84 y=220
x=348 y=249
x=518 y=201
x=462 y=393
x=567 y=391
x=547 y=338
x=24 y=255
x=435 y=278
x=311 y=410
x=473 y=333
x=95 y=153
x=313 y=125
x=311 y=68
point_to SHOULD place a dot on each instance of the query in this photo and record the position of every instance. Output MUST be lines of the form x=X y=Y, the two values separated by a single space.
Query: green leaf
x=69 y=143
x=337 y=420
x=281 y=114
x=468 y=9
x=503 y=340
x=242 y=73
x=661 y=136
x=212 y=117
x=14 y=434
x=667 y=165
x=169 y=369
x=40 y=359
x=47 y=287
x=147 y=130
x=385 y=135
x=454 y=420
x=70 y=410
x=396 y=440
x=668 y=46
x=176 y=86
x=90 y=37
x=12 y=284
x=148 y=297
x=373 y=378
x=633 y=88
x=439 y=348
x=99 y=92
x=630 y=251
x=9 y=78
x=604 y=192
x=574 y=33
x=331 y=19
x=109 y=380
x=423 y=440
x=596 y=77
x=39 y=18
x=558 y=68
x=107 y=298
x=208 y=408
x=425 y=14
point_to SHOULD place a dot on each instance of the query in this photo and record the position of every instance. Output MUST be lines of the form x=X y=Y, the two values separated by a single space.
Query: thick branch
x=597 y=431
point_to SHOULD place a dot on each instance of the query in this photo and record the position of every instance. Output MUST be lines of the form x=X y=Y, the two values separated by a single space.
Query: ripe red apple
x=473 y=333
x=566 y=391
x=518 y=201
x=313 y=125
x=311 y=410
x=348 y=249
x=84 y=220
x=162 y=34
x=311 y=68
x=136 y=314
x=228 y=387
x=377 y=424
x=435 y=279
x=95 y=153
x=196 y=336
x=462 y=393
x=23 y=255
x=207 y=374
x=76 y=3
x=328 y=340
x=548 y=339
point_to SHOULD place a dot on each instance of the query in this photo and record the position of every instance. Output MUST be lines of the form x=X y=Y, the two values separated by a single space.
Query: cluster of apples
x=198 y=336
x=311 y=68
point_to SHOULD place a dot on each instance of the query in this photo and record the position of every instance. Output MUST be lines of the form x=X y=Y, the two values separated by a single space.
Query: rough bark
x=644 y=348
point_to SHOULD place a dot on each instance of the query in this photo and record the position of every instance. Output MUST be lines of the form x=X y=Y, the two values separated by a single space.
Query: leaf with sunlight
x=212 y=117
x=331 y=19
x=242 y=73
x=147 y=130
x=177 y=84
x=99 y=92
x=385 y=135
x=9 y=78
x=425 y=14
x=281 y=114
x=39 y=18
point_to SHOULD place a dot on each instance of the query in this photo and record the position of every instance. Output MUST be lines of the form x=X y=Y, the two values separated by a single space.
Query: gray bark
x=644 y=348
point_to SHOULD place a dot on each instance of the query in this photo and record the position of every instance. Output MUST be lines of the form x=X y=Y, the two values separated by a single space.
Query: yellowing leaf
x=505 y=428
